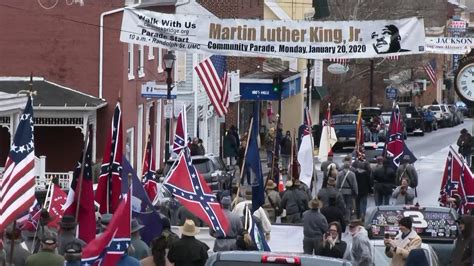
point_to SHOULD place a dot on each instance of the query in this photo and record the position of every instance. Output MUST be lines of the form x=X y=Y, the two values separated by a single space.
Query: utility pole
x=309 y=65
x=371 y=85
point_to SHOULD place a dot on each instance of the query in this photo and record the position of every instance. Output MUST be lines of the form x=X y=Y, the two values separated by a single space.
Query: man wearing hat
x=19 y=253
x=361 y=250
x=67 y=234
x=406 y=169
x=272 y=201
x=406 y=240
x=325 y=167
x=330 y=191
x=346 y=183
x=235 y=225
x=141 y=249
x=295 y=202
x=465 y=145
x=188 y=250
x=314 y=227
x=46 y=256
x=72 y=254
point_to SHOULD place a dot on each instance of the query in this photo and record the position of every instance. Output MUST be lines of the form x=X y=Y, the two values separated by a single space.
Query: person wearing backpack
x=272 y=201
x=406 y=169
x=346 y=183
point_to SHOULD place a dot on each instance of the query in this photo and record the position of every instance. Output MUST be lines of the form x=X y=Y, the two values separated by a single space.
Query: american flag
x=109 y=185
x=86 y=214
x=181 y=134
x=17 y=187
x=212 y=72
x=192 y=191
x=108 y=248
x=457 y=180
x=430 y=69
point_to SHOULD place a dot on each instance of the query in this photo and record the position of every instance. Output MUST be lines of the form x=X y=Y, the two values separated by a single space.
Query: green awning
x=319 y=93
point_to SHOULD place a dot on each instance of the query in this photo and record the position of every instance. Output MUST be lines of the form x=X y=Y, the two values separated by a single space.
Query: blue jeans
x=374 y=136
x=382 y=199
x=467 y=157
x=269 y=157
x=285 y=161
x=361 y=206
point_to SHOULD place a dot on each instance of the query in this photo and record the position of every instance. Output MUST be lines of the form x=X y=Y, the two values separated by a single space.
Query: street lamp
x=168 y=60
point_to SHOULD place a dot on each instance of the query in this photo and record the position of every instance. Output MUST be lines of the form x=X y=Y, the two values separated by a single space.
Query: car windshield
x=434 y=108
x=344 y=120
x=202 y=165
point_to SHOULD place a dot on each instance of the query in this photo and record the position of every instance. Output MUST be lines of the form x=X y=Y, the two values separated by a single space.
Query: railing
x=64 y=180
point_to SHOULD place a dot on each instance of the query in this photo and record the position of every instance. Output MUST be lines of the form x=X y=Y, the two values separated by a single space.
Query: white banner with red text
x=274 y=38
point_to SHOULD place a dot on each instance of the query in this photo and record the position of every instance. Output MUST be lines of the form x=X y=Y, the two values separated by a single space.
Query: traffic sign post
x=391 y=93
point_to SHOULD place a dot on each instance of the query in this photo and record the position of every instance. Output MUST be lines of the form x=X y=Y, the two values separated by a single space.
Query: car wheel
x=422 y=133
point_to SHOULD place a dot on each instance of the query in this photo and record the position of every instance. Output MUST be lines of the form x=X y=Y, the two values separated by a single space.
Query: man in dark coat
x=19 y=253
x=286 y=151
x=362 y=171
x=333 y=213
x=140 y=248
x=465 y=145
x=324 y=194
x=384 y=182
x=188 y=250
x=230 y=148
x=67 y=234
x=295 y=202
x=184 y=214
x=407 y=170
x=462 y=253
x=314 y=227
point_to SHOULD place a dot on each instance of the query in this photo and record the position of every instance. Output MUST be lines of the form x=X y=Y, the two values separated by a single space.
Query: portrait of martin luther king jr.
x=387 y=41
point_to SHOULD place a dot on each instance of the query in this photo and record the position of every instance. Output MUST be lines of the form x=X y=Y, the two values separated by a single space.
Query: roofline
x=70 y=108
x=50 y=82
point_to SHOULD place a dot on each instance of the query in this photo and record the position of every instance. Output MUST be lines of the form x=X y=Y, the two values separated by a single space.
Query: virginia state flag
x=142 y=208
x=253 y=164
x=109 y=247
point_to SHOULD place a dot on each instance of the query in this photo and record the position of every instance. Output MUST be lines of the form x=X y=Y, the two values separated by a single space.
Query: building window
x=141 y=61
x=151 y=54
x=139 y=139
x=130 y=61
x=129 y=145
x=180 y=67
x=160 y=60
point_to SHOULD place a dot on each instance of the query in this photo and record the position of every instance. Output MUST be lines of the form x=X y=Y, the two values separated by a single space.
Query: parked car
x=436 y=226
x=430 y=120
x=379 y=257
x=442 y=114
x=462 y=107
x=458 y=116
x=345 y=128
x=250 y=258
x=414 y=121
x=213 y=170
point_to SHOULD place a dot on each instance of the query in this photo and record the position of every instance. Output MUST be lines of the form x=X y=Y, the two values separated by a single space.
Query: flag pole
x=273 y=151
x=147 y=132
x=84 y=154
x=48 y=192
x=314 y=178
x=234 y=202
x=290 y=168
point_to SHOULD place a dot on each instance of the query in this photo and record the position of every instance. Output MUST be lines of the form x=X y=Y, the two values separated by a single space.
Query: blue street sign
x=391 y=93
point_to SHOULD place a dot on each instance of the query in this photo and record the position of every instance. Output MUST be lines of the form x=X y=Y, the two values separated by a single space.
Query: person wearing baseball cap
x=405 y=241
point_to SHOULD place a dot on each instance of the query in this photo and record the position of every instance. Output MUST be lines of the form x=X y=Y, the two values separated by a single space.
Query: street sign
x=168 y=108
x=391 y=93
x=153 y=90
